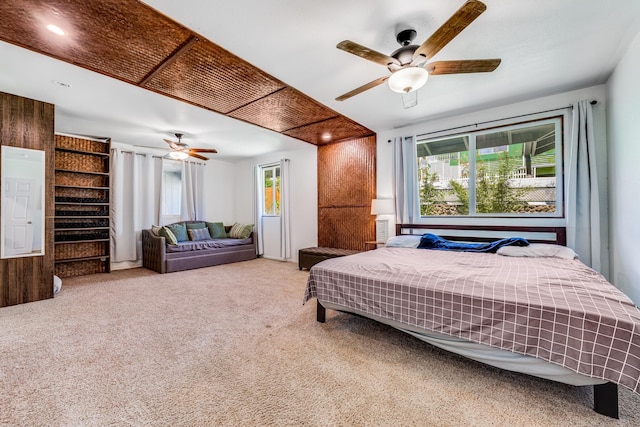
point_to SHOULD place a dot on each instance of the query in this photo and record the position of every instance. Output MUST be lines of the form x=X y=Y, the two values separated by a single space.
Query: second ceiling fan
x=180 y=150
x=408 y=64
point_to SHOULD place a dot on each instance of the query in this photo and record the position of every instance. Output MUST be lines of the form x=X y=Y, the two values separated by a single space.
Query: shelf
x=81 y=241
x=91 y=153
x=84 y=203
x=81 y=187
x=84 y=172
x=81 y=229
x=88 y=258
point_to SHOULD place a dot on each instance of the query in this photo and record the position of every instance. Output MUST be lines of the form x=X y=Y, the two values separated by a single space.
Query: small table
x=371 y=245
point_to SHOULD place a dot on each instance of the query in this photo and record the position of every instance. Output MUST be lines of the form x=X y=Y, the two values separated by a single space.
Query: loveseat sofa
x=164 y=257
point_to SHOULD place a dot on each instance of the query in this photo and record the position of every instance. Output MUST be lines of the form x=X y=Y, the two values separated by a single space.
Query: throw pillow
x=179 y=230
x=240 y=231
x=155 y=230
x=196 y=234
x=194 y=225
x=168 y=235
x=216 y=230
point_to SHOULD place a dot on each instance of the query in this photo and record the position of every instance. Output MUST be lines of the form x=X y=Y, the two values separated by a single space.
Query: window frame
x=276 y=172
x=471 y=132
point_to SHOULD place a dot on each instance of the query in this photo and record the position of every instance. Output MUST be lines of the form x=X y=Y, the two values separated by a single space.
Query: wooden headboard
x=485 y=233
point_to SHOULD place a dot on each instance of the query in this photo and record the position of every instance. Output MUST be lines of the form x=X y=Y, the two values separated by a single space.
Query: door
x=270 y=213
x=19 y=205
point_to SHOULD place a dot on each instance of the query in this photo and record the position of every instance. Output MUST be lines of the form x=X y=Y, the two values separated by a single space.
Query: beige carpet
x=233 y=345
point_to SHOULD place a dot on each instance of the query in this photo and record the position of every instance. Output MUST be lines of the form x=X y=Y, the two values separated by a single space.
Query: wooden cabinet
x=82 y=206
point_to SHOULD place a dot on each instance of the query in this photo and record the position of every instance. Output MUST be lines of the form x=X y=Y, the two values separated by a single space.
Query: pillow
x=403 y=241
x=168 y=234
x=199 y=234
x=195 y=225
x=155 y=230
x=179 y=230
x=216 y=230
x=538 y=250
x=240 y=231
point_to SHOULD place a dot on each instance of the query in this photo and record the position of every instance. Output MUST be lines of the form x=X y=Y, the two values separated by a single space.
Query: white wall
x=623 y=94
x=304 y=193
x=219 y=191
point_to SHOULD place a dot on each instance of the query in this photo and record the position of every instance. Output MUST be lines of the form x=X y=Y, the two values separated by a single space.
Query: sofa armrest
x=153 y=252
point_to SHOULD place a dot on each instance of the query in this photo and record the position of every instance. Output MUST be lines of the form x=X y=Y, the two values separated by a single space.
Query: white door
x=19 y=204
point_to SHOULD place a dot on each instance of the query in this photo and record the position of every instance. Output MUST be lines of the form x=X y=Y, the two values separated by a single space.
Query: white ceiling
x=546 y=47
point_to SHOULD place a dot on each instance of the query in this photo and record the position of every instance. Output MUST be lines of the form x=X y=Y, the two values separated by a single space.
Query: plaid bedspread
x=554 y=309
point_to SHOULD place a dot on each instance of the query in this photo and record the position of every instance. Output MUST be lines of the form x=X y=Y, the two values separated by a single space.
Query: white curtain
x=285 y=210
x=583 y=207
x=257 y=209
x=192 y=206
x=405 y=181
x=136 y=181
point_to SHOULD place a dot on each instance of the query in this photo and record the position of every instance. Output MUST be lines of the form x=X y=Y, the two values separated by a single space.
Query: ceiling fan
x=180 y=150
x=408 y=64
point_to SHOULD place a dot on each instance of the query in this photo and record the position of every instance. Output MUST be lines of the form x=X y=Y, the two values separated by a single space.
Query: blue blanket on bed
x=433 y=241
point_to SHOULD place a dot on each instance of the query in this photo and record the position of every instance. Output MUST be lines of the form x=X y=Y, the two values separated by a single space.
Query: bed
x=550 y=317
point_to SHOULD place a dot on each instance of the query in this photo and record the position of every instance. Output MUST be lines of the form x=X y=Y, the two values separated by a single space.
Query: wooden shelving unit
x=82 y=206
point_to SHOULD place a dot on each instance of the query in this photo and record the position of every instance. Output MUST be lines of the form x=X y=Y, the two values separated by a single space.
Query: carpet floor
x=233 y=345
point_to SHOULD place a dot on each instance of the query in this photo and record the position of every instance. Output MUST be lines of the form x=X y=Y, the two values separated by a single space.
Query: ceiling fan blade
x=366 y=53
x=172 y=144
x=202 y=150
x=197 y=156
x=464 y=16
x=362 y=88
x=462 y=66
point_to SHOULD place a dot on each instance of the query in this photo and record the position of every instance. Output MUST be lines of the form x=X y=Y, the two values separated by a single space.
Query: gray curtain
x=285 y=210
x=136 y=181
x=192 y=207
x=583 y=198
x=257 y=209
x=405 y=164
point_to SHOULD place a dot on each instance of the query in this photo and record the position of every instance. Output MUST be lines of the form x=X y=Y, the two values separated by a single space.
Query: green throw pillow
x=195 y=225
x=179 y=230
x=196 y=234
x=240 y=231
x=216 y=230
x=168 y=235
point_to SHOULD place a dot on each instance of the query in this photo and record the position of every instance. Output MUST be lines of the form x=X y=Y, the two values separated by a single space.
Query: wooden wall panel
x=346 y=185
x=27 y=123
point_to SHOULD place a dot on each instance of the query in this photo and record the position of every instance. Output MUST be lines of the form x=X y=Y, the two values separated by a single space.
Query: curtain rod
x=157 y=157
x=593 y=102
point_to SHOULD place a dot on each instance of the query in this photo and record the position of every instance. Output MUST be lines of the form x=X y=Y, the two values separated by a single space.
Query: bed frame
x=605 y=396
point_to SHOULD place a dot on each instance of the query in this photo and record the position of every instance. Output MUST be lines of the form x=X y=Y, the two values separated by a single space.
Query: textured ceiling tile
x=120 y=38
x=210 y=76
x=336 y=129
x=283 y=110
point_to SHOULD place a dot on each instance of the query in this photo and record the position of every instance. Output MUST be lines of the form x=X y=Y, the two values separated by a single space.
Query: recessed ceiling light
x=326 y=136
x=55 y=29
x=61 y=84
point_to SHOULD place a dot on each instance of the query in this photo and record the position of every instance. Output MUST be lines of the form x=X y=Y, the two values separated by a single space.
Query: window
x=506 y=171
x=271 y=190
x=171 y=192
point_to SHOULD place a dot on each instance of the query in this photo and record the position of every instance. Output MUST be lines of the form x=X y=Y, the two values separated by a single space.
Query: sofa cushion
x=206 y=244
x=195 y=225
x=216 y=230
x=179 y=230
x=198 y=234
x=155 y=229
x=168 y=235
x=240 y=231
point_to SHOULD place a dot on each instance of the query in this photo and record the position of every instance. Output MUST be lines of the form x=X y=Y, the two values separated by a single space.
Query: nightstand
x=372 y=244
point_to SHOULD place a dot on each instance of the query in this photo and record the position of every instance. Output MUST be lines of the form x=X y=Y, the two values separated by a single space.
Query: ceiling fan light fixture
x=178 y=155
x=408 y=79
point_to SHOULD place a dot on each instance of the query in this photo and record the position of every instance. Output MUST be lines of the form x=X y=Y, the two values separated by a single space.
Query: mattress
x=555 y=310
